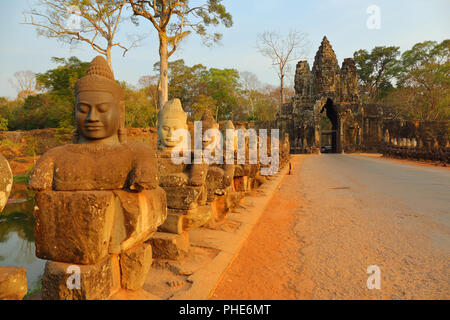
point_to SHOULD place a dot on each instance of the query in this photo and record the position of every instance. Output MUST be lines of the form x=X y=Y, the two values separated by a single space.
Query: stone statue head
x=99 y=109
x=229 y=125
x=208 y=122
x=170 y=118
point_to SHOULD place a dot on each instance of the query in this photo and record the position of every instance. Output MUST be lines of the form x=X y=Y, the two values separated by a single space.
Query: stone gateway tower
x=326 y=115
x=326 y=107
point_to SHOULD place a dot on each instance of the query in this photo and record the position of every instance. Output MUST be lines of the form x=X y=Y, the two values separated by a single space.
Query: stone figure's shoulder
x=41 y=177
x=145 y=174
x=141 y=149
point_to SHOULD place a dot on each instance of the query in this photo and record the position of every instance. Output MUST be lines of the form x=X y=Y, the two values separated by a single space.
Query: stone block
x=174 y=223
x=74 y=226
x=197 y=218
x=140 y=215
x=170 y=245
x=241 y=184
x=65 y=281
x=135 y=264
x=214 y=182
x=13 y=283
x=183 y=198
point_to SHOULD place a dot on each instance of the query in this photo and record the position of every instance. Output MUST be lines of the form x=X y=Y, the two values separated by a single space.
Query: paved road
x=342 y=214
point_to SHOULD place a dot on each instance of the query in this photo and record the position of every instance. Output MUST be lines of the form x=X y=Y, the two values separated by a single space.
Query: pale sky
x=403 y=23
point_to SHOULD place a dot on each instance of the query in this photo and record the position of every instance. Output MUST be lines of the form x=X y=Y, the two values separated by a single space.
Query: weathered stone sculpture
x=6 y=180
x=219 y=181
x=246 y=173
x=13 y=283
x=99 y=200
x=184 y=185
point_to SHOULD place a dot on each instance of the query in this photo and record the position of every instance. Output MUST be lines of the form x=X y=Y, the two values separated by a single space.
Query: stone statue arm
x=144 y=175
x=41 y=177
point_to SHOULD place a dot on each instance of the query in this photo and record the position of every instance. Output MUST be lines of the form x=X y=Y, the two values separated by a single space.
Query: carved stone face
x=97 y=115
x=166 y=129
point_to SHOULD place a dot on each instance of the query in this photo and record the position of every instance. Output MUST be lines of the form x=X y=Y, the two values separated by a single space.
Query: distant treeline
x=416 y=82
x=226 y=92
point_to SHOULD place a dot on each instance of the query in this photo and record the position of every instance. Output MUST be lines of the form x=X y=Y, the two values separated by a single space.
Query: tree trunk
x=163 y=88
x=282 y=89
x=108 y=56
x=217 y=113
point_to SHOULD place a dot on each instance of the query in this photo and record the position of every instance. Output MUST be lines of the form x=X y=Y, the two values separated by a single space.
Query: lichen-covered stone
x=13 y=283
x=61 y=281
x=74 y=226
x=141 y=213
x=6 y=181
x=169 y=245
x=135 y=264
x=96 y=167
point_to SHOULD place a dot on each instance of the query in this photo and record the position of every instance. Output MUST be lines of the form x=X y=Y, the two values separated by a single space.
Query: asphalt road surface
x=342 y=226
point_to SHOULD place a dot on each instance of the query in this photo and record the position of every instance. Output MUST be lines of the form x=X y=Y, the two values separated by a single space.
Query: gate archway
x=329 y=128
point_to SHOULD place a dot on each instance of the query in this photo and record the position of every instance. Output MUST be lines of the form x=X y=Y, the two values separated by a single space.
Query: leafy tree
x=174 y=21
x=376 y=71
x=3 y=124
x=201 y=104
x=140 y=110
x=223 y=86
x=424 y=82
x=62 y=79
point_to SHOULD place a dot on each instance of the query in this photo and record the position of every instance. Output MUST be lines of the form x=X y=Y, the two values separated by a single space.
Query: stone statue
x=6 y=181
x=98 y=200
x=184 y=184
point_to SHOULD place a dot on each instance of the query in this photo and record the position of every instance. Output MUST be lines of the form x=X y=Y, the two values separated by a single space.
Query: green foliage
x=376 y=70
x=3 y=124
x=140 y=109
x=31 y=146
x=198 y=88
x=423 y=86
x=61 y=80
x=223 y=86
x=219 y=90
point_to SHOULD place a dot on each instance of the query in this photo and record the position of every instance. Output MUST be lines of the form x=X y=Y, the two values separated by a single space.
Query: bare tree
x=174 y=20
x=95 y=22
x=25 y=83
x=250 y=84
x=282 y=51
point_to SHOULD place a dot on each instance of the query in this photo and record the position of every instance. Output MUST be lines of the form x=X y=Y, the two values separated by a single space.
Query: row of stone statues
x=106 y=207
x=412 y=148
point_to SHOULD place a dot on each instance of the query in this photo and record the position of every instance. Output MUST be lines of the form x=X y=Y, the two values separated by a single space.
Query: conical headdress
x=99 y=77
x=172 y=109
x=208 y=121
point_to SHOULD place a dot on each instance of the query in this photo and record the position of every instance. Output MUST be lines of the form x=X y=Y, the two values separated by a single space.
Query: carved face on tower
x=171 y=118
x=99 y=110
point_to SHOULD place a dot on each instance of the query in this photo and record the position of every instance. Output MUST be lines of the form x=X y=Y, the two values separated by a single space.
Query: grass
x=21 y=179
x=35 y=290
